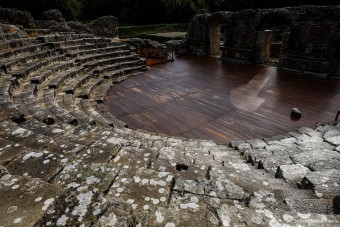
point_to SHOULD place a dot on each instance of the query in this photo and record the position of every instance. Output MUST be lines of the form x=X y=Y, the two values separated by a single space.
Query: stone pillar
x=197 y=40
x=262 y=46
x=214 y=39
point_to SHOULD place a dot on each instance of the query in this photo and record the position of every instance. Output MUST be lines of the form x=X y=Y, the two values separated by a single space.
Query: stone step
x=16 y=43
x=102 y=56
x=100 y=92
x=323 y=206
x=10 y=150
x=81 y=117
x=56 y=110
x=99 y=116
x=22 y=50
x=24 y=137
x=324 y=183
x=105 y=62
x=39 y=127
x=24 y=200
x=86 y=50
x=58 y=80
x=48 y=72
x=25 y=71
x=11 y=64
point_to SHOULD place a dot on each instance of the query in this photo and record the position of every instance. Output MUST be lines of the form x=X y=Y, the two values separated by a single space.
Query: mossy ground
x=138 y=31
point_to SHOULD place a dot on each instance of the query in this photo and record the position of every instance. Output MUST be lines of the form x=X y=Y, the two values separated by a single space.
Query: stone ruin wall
x=310 y=44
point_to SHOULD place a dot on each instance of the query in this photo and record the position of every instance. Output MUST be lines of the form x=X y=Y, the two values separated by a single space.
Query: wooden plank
x=202 y=97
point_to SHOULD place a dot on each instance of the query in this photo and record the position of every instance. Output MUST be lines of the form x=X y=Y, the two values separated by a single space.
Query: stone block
x=25 y=201
x=334 y=140
x=292 y=173
x=309 y=157
x=295 y=113
x=325 y=184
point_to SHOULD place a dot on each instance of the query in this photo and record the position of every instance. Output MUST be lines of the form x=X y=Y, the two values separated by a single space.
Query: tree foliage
x=148 y=11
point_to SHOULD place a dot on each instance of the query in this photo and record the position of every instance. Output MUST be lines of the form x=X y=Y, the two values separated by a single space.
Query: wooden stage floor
x=205 y=98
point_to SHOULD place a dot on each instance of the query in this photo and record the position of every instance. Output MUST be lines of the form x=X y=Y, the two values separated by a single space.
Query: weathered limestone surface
x=66 y=161
x=292 y=173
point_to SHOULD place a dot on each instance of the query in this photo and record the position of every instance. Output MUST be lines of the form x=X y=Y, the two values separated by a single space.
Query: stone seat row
x=309 y=158
x=74 y=72
x=103 y=162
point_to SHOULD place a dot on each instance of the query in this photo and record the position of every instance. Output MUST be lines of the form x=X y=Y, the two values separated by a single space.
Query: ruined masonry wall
x=309 y=46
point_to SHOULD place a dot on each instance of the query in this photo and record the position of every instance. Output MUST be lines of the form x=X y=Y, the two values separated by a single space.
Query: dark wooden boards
x=205 y=98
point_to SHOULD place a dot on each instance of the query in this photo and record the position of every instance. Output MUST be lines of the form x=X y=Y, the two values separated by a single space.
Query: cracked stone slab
x=311 y=156
x=271 y=163
x=197 y=186
x=292 y=173
x=325 y=183
x=262 y=200
x=94 y=155
x=331 y=133
x=61 y=147
x=286 y=141
x=82 y=201
x=185 y=210
x=264 y=159
x=334 y=140
x=118 y=213
x=321 y=165
x=130 y=157
x=143 y=189
x=254 y=156
x=199 y=157
x=243 y=147
x=41 y=128
x=22 y=136
x=24 y=201
x=225 y=189
x=322 y=206
x=305 y=146
x=257 y=144
x=277 y=149
x=37 y=164
x=337 y=149
x=9 y=151
x=310 y=132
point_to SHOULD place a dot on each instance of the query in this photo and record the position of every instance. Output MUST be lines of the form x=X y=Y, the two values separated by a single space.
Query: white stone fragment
x=47 y=203
x=137 y=179
x=163 y=174
x=38 y=199
x=15 y=186
x=288 y=218
x=194 y=199
x=17 y=221
x=32 y=155
x=159 y=217
x=170 y=224
x=62 y=220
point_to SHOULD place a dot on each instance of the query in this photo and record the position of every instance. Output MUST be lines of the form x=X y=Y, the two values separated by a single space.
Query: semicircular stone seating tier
x=64 y=160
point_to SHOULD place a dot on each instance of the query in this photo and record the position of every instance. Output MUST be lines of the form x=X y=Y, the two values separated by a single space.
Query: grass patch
x=138 y=31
